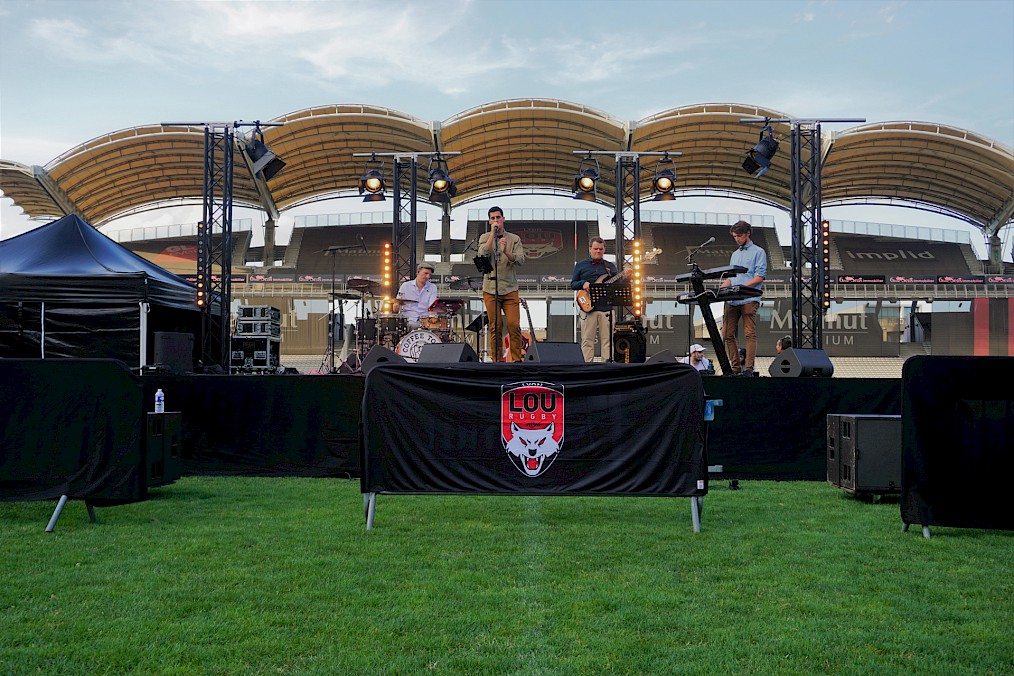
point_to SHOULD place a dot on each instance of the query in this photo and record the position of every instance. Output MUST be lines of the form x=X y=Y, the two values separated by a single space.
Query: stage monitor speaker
x=799 y=363
x=447 y=353
x=663 y=357
x=555 y=353
x=164 y=457
x=629 y=347
x=379 y=354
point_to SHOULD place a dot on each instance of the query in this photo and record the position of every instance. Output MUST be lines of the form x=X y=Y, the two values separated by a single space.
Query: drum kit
x=391 y=328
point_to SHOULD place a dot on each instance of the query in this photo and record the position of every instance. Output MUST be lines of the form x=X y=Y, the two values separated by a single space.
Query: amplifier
x=251 y=327
x=271 y=314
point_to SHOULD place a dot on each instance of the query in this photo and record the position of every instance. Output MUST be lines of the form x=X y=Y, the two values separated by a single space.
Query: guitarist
x=594 y=270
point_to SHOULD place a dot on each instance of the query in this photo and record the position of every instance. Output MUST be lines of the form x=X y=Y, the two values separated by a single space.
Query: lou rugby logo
x=531 y=424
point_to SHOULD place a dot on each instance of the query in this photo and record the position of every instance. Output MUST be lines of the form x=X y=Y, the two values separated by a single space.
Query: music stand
x=482 y=264
x=476 y=326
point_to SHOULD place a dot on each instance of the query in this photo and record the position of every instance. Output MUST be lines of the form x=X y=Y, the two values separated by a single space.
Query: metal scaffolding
x=212 y=252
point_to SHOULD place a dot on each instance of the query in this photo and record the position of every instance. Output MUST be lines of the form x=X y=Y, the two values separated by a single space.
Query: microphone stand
x=697 y=284
x=331 y=337
x=497 y=337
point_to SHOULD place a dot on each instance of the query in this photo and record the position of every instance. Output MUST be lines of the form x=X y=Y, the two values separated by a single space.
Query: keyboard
x=713 y=273
x=721 y=295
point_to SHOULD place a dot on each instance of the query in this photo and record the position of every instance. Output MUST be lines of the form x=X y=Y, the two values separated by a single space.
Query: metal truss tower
x=219 y=145
x=807 y=271
x=403 y=236
x=627 y=216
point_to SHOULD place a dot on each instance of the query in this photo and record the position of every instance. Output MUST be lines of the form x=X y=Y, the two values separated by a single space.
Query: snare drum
x=412 y=344
x=435 y=322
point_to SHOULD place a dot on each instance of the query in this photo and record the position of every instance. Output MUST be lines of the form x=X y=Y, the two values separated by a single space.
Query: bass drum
x=411 y=345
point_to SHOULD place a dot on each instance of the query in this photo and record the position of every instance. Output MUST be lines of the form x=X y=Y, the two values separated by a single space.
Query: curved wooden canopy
x=526 y=146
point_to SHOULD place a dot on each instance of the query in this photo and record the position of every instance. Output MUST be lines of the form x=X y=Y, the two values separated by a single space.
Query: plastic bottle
x=159 y=401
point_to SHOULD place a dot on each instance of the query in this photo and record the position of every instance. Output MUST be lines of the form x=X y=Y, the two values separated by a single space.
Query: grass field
x=253 y=575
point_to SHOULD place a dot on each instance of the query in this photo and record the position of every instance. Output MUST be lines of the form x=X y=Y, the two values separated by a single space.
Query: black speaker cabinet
x=379 y=354
x=663 y=357
x=163 y=454
x=799 y=363
x=174 y=351
x=447 y=353
x=555 y=353
x=864 y=453
x=629 y=347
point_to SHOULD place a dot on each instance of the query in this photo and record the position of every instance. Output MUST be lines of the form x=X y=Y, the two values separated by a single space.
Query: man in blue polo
x=753 y=258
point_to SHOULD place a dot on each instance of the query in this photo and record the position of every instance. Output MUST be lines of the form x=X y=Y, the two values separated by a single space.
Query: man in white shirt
x=696 y=358
x=422 y=291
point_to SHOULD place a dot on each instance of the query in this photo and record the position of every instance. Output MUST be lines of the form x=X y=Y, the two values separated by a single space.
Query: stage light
x=387 y=268
x=586 y=180
x=825 y=267
x=372 y=184
x=265 y=162
x=758 y=160
x=442 y=187
x=664 y=183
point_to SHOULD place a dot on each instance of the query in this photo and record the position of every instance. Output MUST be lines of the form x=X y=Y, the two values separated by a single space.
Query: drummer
x=421 y=291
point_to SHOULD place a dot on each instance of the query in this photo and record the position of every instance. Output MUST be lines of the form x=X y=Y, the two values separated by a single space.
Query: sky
x=74 y=70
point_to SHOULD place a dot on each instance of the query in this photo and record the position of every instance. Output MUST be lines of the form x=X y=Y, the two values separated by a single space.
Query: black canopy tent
x=67 y=290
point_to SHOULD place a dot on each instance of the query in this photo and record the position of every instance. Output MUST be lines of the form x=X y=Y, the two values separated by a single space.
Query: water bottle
x=159 y=402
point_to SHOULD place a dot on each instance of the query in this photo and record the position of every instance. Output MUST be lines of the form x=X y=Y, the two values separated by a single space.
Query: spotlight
x=664 y=183
x=586 y=179
x=372 y=184
x=265 y=162
x=442 y=187
x=759 y=159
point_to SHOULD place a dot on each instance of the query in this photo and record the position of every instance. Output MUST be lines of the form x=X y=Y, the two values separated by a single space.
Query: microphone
x=363 y=242
x=470 y=245
x=694 y=252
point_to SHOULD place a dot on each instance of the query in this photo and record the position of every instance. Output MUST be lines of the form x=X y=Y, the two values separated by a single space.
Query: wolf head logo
x=533 y=450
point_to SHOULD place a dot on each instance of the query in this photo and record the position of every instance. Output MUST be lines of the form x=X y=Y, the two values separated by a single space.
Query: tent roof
x=70 y=261
x=526 y=146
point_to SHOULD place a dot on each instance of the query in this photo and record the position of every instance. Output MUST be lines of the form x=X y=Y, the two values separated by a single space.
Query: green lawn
x=252 y=575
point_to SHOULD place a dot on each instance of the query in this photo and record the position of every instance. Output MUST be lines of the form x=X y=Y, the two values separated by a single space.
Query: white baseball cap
x=696 y=347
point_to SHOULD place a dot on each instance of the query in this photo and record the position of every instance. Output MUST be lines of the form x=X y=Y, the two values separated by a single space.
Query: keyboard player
x=755 y=260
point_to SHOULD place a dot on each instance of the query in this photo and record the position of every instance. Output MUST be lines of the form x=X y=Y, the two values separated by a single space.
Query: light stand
x=807 y=159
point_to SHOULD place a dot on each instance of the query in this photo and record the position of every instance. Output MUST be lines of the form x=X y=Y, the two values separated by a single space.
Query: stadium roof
x=526 y=146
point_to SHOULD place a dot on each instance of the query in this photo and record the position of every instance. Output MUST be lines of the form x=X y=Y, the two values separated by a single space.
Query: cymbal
x=467 y=284
x=402 y=301
x=362 y=285
x=344 y=296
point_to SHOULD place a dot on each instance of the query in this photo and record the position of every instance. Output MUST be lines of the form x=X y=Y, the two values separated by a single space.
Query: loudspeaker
x=868 y=453
x=175 y=351
x=629 y=347
x=447 y=353
x=555 y=353
x=379 y=354
x=663 y=357
x=799 y=363
x=164 y=457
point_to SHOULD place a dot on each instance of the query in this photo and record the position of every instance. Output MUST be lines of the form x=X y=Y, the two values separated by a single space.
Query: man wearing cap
x=696 y=358
x=755 y=260
x=422 y=291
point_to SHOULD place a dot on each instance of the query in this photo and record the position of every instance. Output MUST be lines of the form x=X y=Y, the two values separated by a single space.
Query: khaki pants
x=591 y=324
x=510 y=305
x=730 y=322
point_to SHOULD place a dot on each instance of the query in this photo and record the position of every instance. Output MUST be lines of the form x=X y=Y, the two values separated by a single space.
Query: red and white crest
x=532 y=424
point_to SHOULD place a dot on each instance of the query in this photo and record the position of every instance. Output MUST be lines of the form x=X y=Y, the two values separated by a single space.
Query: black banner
x=595 y=429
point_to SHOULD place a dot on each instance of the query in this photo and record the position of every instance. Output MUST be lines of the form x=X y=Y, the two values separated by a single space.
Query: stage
x=296 y=425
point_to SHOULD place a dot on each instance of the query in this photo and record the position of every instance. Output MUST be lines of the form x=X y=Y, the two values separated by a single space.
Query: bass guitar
x=584 y=298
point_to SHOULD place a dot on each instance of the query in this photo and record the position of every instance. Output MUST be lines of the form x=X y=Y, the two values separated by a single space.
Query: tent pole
x=143 y=361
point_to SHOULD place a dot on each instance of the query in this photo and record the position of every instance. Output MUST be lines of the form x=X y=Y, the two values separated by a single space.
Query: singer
x=500 y=286
x=755 y=260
